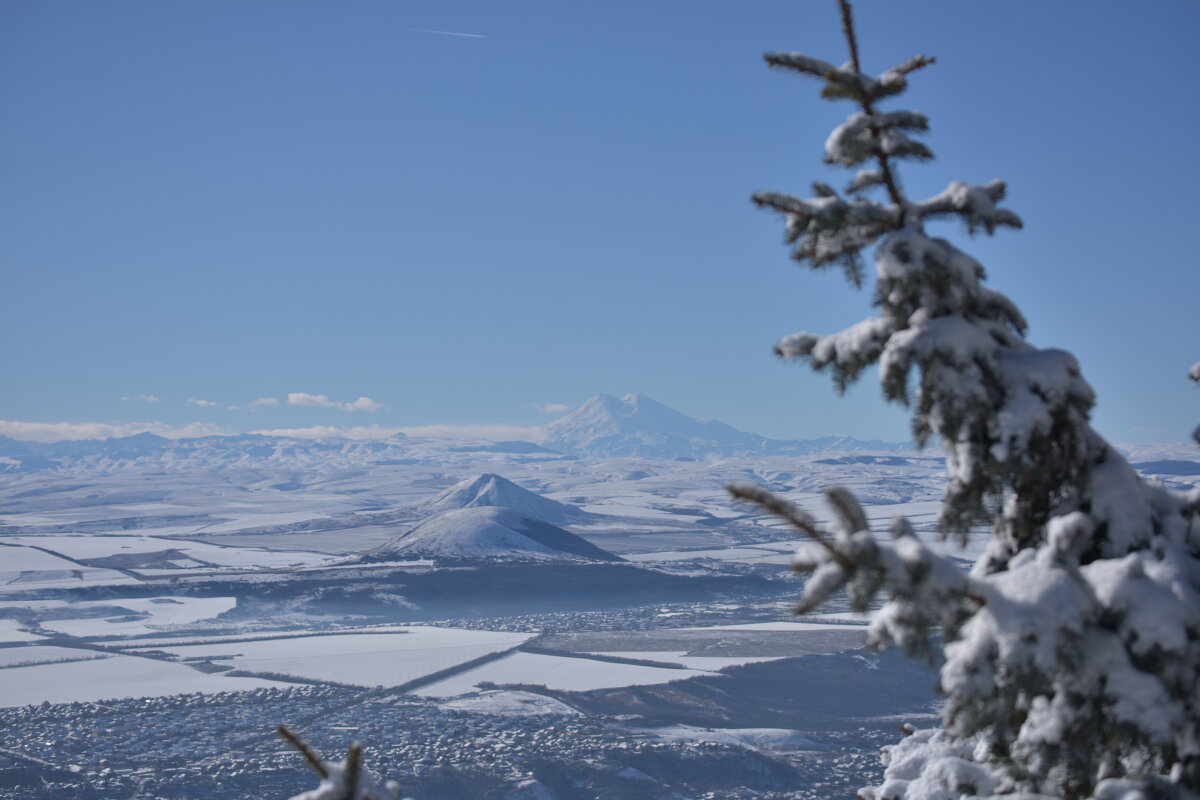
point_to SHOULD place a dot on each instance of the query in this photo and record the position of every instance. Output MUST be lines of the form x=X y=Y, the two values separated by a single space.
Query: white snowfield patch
x=509 y=703
x=414 y=564
x=856 y=617
x=26 y=568
x=10 y=631
x=757 y=555
x=705 y=663
x=16 y=559
x=146 y=615
x=43 y=654
x=89 y=546
x=262 y=635
x=562 y=673
x=775 y=740
x=785 y=626
x=112 y=678
x=359 y=659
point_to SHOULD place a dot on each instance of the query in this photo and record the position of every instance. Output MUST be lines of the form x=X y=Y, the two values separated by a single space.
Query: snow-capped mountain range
x=603 y=427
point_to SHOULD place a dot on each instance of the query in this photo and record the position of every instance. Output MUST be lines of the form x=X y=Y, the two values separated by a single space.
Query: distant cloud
x=552 y=408
x=196 y=401
x=264 y=401
x=361 y=404
x=446 y=33
x=67 y=431
x=321 y=401
x=304 y=399
x=140 y=398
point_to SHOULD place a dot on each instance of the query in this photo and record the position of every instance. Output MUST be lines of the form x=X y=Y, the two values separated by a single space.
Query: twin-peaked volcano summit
x=638 y=426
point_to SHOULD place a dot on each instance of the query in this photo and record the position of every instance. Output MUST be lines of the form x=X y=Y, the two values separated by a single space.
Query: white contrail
x=447 y=33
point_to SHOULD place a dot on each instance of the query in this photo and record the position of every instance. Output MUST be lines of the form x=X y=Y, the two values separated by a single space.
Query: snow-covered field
x=144 y=614
x=111 y=677
x=568 y=674
x=43 y=654
x=24 y=569
x=85 y=547
x=10 y=631
x=359 y=659
x=702 y=663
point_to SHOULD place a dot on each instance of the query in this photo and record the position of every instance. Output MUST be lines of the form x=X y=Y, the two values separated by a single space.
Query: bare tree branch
x=310 y=755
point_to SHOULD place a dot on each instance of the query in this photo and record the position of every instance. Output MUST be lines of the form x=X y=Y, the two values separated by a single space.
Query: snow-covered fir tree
x=1072 y=648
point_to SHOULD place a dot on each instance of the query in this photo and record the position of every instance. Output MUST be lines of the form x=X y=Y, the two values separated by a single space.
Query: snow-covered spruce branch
x=1194 y=374
x=927 y=591
x=348 y=780
x=1048 y=664
x=975 y=205
x=845 y=81
x=828 y=229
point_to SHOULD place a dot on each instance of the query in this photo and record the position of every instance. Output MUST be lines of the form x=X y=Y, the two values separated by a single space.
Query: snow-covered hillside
x=488 y=533
x=490 y=489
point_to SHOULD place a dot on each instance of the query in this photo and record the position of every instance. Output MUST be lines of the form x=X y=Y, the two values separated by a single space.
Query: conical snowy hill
x=488 y=533
x=490 y=489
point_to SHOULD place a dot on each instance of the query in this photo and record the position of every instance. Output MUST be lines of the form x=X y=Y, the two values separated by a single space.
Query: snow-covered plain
x=183 y=561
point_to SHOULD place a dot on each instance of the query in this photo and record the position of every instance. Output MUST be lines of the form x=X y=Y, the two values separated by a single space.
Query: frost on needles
x=1072 y=648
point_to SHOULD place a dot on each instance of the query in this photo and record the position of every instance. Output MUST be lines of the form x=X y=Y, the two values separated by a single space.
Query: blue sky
x=228 y=201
